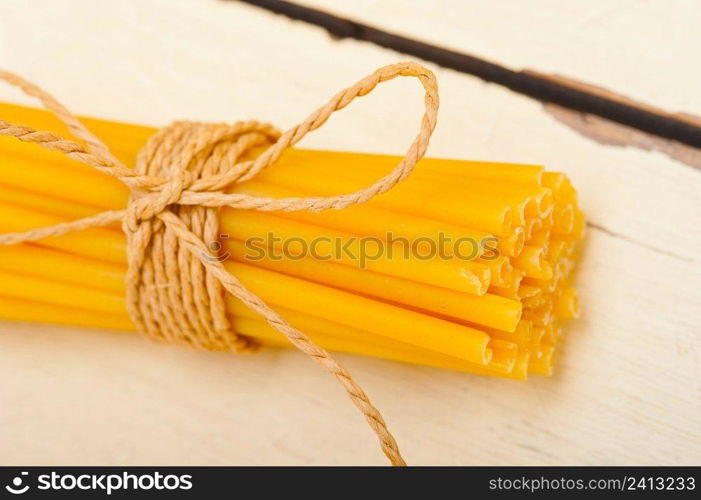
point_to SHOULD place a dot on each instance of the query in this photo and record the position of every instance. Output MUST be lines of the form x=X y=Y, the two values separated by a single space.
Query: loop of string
x=175 y=289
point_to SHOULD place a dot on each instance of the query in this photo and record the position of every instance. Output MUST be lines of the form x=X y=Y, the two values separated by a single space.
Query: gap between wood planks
x=596 y=113
x=610 y=133
x=638 y=243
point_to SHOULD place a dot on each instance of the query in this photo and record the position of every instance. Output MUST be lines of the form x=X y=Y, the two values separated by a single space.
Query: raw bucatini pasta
x=494 y=305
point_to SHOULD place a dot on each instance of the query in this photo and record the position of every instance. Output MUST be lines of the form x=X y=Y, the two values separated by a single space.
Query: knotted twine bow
x=176 y=189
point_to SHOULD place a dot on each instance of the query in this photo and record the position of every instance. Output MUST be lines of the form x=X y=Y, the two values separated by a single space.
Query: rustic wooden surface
x=628 y=383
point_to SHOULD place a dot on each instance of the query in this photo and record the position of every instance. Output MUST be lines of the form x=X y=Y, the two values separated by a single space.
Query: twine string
x=175 y=289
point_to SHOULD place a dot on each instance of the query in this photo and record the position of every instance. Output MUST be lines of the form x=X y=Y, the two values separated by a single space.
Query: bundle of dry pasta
x=464 y=265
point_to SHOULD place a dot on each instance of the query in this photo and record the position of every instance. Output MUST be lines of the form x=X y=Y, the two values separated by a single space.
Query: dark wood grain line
x=532 y=84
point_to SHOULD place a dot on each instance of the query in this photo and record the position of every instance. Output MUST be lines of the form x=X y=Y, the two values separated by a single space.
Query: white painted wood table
x=628 y=384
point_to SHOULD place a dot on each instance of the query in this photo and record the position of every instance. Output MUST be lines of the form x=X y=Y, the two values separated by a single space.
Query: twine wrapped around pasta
x=175 y=288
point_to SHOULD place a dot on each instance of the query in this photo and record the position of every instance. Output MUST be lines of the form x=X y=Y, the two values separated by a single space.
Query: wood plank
x=630 y=46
